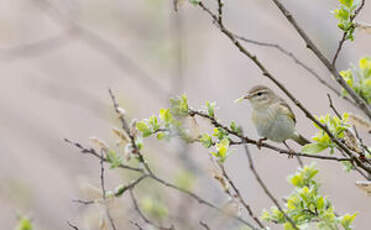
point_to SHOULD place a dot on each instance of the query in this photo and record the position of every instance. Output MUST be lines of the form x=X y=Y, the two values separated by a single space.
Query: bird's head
x=260 y=96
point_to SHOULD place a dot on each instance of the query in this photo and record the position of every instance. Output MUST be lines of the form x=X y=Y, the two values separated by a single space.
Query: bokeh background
x=58 y=58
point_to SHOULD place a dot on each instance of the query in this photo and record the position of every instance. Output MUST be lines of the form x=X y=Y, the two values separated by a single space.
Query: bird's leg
x=260 y=142
x=291 y=152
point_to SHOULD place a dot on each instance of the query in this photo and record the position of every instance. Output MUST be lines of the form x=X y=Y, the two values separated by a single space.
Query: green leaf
x=347 y=220
x=119 y=190
x=314 y=148
x=206 y=140
x=195 y=2
x=113 y=158
x=166 y=116
x=24 y=223
x=211 y=108
x=160 y=135
x=143 y=127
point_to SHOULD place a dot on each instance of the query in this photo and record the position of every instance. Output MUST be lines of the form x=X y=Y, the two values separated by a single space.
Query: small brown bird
x=273 y=117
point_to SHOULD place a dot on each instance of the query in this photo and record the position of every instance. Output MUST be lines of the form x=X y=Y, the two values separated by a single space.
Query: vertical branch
x=344 y=38
x=110 y=219
x=239 y=196
x=265 y=188
x=120 y=112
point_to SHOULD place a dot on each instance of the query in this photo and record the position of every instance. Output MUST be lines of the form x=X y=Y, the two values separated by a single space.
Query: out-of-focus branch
x=239 y=196
x=204 y=225
x=141 y=214
x=265 y=188
x=344 y=38
x=37 y=48
x=358 y=100
x=98 y=43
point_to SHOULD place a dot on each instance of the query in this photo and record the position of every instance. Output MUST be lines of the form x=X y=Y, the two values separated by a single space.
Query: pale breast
x=272 y=125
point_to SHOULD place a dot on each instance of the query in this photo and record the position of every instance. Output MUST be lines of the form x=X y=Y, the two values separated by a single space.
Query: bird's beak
x=248 y=97
x=240 y=99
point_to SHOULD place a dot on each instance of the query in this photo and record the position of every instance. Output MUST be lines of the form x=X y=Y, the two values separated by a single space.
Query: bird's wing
x=285 y=109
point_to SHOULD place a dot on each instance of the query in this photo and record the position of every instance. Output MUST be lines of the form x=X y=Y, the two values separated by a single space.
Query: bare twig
x=92 y=152
x=136 y=225
x=344 y=37
x=108 y=213
x=204 y=225
x=240 y=198
x=358 y=100
x=333 y=107
x=141 y=214
x=72 y=226
x=265 y=188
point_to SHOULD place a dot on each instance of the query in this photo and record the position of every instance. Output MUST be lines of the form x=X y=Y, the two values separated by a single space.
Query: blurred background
x=58 y=59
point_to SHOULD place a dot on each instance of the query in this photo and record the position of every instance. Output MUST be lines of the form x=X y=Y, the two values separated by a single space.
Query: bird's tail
x=300 y=139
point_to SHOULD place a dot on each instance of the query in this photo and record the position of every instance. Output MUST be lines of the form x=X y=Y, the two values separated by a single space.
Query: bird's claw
x=291 y=154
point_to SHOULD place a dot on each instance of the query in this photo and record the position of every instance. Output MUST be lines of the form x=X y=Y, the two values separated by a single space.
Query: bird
x=273 y=118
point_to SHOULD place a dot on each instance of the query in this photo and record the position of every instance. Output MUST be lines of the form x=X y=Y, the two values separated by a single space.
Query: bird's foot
x=260 y=142
x=291 y=152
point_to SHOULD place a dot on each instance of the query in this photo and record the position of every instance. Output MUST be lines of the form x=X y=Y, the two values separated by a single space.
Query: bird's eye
x=259 y=94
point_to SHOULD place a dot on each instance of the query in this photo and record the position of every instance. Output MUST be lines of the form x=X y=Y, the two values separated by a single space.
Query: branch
x=358 y=100
x=204 y=225
x=265 y=188
x=110 y=219
x=246 y=139
x=92 y=152
x=72 y=226
x=126 y=128
x=239 y=196
x=344 y=37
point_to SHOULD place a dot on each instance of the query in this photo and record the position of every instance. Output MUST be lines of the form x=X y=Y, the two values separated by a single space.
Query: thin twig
x=136 y=225
x=344 y=37
x=108 y=213
x=204 y=225
x=72 y=226
x=126 y=128
x=333 y=107
x=358 y=100
x=265 y=188
x=92 y=152
x=239 y=196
